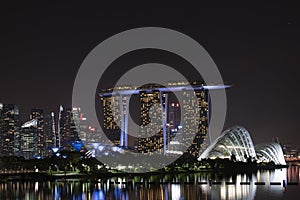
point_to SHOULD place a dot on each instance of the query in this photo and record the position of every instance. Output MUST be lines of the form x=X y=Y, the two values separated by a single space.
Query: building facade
x=67 y=129
x=112 y=118
x=38 y=115
x=50 y=134
x=151 y=130
x=9 y=130
x=160 y=120
x=29 y=140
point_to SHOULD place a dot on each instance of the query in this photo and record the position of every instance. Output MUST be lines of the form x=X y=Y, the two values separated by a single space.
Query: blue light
x=37 y=157
x=101 y=148
x=55 y=150
x=77 y=145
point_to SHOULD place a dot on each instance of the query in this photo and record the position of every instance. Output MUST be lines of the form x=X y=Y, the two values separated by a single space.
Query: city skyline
x=149 y=100
x=36 y=140
x=256 y=49
x=35 y=137
x=44 y=132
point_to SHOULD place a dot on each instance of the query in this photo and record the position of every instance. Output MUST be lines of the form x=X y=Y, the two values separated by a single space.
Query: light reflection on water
x=104 y=190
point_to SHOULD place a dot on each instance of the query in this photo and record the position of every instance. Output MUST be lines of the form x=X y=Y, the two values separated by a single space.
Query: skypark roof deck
x=126 y=92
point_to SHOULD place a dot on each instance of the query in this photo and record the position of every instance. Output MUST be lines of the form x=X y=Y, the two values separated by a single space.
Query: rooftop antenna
x=58 y=125
x=53 y=129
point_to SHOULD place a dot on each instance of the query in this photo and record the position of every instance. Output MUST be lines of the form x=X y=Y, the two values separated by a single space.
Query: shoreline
x=66 y=176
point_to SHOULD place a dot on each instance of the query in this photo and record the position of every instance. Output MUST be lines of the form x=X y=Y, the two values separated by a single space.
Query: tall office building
x=49 y=133
x=174 y=114
x=67 y=129
x=9 y=130
x=85 y=131
x=29 y=140
x=37 y=114
x=78 y=120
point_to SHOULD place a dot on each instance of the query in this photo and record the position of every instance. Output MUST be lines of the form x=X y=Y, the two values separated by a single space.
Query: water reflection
x=182 y=186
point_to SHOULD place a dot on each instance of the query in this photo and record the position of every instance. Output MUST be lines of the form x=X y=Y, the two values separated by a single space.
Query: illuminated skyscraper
x=151 y=132
x=79 y=122
x=49 y=133
x=153 y=105
x=160 y=120
x=174 y=114
x=111 y=112
x=111 y=115
x=86 y=132
x=9 y=130
x=29 y=140
x=37 y=114
x=189 y=105
x=67 y=128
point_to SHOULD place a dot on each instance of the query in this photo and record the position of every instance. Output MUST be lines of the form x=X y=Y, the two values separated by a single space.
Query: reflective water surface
x=275 y=184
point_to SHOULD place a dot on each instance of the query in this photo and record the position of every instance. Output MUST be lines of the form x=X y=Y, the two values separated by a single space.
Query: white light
x=95 y=145
x=174 y=142
x=55 y=149
x=114 y=148
x=30 y=123
x=101 y=148
x=175 y=191
x=174 y=152
x=36 y=186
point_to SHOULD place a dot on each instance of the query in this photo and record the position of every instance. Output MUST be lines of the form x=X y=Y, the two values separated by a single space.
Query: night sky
x=256 y=48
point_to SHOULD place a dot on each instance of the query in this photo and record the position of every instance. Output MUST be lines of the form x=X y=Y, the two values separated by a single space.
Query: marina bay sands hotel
x=161 y=116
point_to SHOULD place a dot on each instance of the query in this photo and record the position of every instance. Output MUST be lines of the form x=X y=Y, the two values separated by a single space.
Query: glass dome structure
x=234 y=141
x=237 y=141
x=270 y=152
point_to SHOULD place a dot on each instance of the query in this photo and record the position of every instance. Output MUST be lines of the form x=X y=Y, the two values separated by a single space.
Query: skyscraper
x=37 y=114
x=29 y=139
x=111 y=115
x=160 y=121
x=67 y=128
x=49 y=133
x=174 y=114
x=81 y=126
x=151 y=122
x=9 y=130
x=189 y=121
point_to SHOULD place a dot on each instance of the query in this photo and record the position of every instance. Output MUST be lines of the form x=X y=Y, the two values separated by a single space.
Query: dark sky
x=256 y=48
